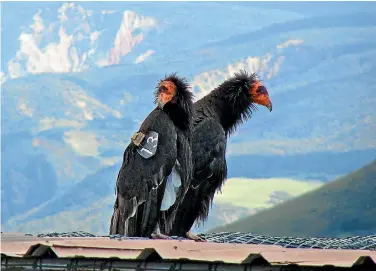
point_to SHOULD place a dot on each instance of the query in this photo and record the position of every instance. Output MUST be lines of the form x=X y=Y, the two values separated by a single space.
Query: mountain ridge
x=343 y=207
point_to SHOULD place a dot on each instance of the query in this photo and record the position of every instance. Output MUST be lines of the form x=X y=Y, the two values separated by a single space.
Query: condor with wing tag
x=149 y=145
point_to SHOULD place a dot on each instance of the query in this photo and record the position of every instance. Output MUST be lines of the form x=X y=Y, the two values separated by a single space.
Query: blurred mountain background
x=77 y=80
x=341 y=208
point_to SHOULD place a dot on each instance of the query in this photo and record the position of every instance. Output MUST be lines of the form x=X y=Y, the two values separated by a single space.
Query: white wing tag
x=149 y=144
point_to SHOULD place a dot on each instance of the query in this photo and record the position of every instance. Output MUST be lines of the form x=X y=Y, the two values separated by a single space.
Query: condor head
x=259 y=94
x=173 y=96
x=166 y=92
x=173 y=90
x=243 y=92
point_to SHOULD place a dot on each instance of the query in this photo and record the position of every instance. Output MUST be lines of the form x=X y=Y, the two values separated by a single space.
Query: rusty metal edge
x=39 y=250
x=111 y=264
x=14 y=255
x=364 y=260
x=258 y=259
x=151 y=254
x=106 y=264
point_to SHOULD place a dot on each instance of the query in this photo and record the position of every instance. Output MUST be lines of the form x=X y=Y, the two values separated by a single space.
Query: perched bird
x=157 y=165
x=216 y=116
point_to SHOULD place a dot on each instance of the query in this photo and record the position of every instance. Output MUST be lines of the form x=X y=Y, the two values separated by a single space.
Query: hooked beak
x=264 y=100
x=160 y=102
x=269 y=106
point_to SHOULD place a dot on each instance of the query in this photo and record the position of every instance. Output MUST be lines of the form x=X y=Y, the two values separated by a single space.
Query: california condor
x=157 y=165
x=216 y=116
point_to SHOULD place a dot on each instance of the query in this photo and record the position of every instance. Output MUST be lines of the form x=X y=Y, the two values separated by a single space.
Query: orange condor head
x=259 y=95
x=165 y=93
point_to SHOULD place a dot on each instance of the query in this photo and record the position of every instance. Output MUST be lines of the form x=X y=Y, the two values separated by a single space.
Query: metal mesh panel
x=356 y=242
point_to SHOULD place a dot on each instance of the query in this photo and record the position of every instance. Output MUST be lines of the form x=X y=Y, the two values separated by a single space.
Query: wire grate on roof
x=356 y=242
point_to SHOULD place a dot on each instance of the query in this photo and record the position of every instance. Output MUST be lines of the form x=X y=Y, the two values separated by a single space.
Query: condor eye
x=162 y=88
x=261 y=89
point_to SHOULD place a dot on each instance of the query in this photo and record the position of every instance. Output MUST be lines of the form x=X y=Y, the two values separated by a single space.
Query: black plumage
x=216 y=116
x=141 y=183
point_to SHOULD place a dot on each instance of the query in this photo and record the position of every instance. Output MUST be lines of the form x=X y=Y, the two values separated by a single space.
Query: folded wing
x=141 y=181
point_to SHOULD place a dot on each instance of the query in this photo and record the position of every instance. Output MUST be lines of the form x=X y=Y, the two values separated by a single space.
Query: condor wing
x=208 y=149
x=208 y=152
x=142 y=179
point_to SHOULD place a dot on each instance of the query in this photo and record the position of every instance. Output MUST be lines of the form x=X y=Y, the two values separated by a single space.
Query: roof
x=20 y=248
x=367 y=242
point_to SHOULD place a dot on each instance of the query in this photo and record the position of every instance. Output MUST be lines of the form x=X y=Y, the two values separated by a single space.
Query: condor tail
x=123 y=210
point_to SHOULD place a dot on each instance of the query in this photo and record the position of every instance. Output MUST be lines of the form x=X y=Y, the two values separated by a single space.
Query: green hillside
x=344 y=207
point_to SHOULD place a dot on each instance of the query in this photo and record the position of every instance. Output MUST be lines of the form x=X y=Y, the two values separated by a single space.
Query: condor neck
x=179 y=117
x=229 y=115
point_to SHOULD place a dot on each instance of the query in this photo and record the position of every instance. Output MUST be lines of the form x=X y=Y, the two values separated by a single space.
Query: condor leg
x=192 y=236
x=158 y=235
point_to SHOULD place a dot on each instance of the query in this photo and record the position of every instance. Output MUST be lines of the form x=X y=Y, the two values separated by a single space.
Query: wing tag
x=148 y=145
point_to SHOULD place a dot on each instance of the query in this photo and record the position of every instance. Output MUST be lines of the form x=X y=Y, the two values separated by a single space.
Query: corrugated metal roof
x=18 y=245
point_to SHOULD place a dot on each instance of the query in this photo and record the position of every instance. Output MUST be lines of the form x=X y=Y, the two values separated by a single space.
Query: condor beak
x=270 y=106
x=264 y=100
x=162 y=100
x=160 y=104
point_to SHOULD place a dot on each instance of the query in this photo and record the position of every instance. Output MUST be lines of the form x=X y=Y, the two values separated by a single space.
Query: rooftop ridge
x=353 y=243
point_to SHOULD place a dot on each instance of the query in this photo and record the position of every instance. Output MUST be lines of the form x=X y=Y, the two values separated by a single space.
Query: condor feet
x=159 y=235
x=189 y=235
x=194 y=237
